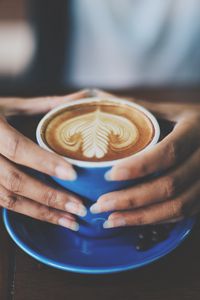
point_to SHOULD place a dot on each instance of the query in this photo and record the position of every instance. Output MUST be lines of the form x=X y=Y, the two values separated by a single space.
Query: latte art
x=96 y=132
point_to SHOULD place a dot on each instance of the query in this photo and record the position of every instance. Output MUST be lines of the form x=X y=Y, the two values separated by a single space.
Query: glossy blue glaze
x=69 y=251
x=90 y=184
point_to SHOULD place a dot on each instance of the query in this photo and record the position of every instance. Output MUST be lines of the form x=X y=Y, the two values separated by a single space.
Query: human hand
x=175 y=193
x=23 y=193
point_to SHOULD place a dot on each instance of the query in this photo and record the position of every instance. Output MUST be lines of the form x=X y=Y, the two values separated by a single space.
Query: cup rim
x=92 y=164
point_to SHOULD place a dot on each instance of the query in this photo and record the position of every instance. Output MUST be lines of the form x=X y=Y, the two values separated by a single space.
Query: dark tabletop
x=176 y=276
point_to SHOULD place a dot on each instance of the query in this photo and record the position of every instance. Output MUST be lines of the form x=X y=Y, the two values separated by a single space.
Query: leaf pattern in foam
x=97 y=131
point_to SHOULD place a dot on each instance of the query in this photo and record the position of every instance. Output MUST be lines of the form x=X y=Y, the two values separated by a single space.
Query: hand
x=173 y=195
x=23 y=193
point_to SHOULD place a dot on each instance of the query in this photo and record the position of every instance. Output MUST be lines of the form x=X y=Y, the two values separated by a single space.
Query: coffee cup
x=118 y=122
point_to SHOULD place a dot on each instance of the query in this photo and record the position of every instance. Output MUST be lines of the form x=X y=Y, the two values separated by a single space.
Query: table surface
x=176 y=276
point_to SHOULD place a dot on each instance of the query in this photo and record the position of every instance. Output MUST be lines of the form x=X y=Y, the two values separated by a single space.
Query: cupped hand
x=172 y=195
x=23 y=193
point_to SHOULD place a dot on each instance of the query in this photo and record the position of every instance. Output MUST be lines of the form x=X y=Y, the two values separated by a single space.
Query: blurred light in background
x=16 y=38
x=16 y=47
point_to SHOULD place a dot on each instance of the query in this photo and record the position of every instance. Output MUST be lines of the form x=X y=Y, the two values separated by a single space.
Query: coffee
x=98 y=131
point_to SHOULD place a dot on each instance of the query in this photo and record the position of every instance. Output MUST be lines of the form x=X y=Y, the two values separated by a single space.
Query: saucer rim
x=84 y=270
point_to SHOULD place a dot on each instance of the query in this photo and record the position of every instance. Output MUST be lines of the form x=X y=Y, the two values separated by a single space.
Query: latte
x=98 y=131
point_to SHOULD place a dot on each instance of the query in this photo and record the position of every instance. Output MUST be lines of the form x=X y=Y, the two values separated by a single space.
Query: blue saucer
x=62 y=249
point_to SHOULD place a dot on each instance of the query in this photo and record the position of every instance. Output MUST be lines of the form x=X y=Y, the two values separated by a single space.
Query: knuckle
x=172 y=152
x=10 y=201
x=46 y=214
x=13 y=147
x=178 y=209
x=141 y=219
x=131 y=202
x=14 y=182
x=170 y=186
x=50 y=198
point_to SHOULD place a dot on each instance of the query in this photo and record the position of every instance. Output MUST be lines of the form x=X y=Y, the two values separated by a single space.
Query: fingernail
x=107 y=176
x=76 y=208
x=65 y=173
x=68 y=224
x=118 y=174
x=95 y=209
x=114 y=223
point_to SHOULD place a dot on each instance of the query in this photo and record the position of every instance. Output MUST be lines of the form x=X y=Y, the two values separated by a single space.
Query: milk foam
x=97 y=132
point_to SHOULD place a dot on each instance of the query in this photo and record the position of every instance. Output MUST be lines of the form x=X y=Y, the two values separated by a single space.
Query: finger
x=35 y=210
x=167 y=110
x=155 y=190
x=100 y=93
x=176 y=147
x=21 y=150
x=163 y=110
x=171 y=221
x=38 y=105
x=22 y=184
x=180 y=207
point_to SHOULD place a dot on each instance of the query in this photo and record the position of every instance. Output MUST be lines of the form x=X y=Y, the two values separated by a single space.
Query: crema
x=98 y=131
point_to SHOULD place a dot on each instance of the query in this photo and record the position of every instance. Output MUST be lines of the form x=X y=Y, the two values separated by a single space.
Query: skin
x=21 y=192
x=168 y=198
x=175 y=193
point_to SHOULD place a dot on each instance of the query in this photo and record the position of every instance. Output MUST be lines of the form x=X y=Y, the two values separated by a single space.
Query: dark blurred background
x=47 y=47
x=16 y=43
x=32 y=35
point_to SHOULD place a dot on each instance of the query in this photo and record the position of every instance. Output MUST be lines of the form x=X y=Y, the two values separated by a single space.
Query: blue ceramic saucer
x=63 y=249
